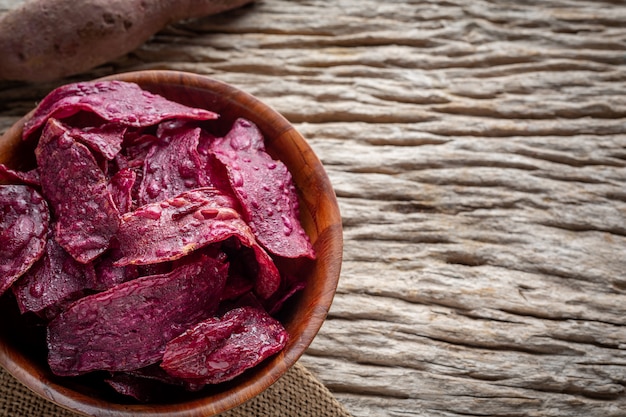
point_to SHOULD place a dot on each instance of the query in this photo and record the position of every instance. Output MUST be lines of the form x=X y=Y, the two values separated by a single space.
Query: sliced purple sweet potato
x=215 y=174
x=135 y=148
x=268 y=276
x=53 y=281
x=120 y=102
x=24 y=223
x=290 y=285
x=141 y=389
x=120 y=187
x=30 y=177
x=105 y=139
x=76 y=189
x=265 y=190
x=149 y=383
x=170 y=229
x=219 y=349
x=128 y=326
x=108 y=275
x=237 y=285
x=172 y=165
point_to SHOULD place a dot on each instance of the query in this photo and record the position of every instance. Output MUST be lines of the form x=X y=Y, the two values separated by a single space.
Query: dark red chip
x=219 y=349
x=290 y=285
x=24 y=222
x=114 y=101
x=170 y=229
x=53 y=281
x=265 y=190
x=76 y=189
x=141 y=389
x=134 y=149
x=128 y=326
x=121 y=189
x=236 y=286
x=105 y=139
x=172 y=165
x=109 y=275
x=149 y=383
x=22 y=177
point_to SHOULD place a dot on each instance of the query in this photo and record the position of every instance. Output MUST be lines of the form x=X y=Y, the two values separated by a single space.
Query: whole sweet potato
x=43 y=40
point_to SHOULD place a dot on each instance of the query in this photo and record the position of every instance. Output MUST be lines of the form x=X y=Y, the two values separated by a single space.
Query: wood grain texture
x=478 y=151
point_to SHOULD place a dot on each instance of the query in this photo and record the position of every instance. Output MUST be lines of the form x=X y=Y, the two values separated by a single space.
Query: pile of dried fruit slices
x=147 y=244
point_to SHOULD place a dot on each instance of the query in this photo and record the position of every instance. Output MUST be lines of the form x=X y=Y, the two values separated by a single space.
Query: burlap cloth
x=297 y=393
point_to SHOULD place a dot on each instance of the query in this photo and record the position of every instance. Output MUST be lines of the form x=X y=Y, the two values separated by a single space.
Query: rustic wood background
x=478 y=151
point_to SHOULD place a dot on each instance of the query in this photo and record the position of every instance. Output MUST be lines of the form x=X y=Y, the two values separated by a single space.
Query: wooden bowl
x=302 y=317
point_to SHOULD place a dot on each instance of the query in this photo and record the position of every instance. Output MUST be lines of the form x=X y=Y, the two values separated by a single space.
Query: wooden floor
x=478 y=152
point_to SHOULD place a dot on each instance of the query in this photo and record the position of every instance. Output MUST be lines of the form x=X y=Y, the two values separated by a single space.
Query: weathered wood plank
x=478 y=150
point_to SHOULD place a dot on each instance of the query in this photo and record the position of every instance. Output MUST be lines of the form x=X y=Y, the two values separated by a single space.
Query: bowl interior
x=22 y=349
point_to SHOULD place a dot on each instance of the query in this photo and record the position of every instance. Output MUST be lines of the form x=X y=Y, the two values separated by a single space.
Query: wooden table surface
x=478 y=152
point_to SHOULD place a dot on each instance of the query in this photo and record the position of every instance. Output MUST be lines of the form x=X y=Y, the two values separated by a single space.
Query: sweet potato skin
x=44 y=40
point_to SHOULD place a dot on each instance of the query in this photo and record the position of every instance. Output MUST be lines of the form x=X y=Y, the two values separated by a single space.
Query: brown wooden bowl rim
x=23 y=369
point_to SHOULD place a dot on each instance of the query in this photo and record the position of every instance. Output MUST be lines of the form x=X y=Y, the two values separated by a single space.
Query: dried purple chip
x=76 y=189
x=170 y=229
x=147 y=384
x=219 y=349
x=23 y=177
x=265 y=190
x=135 y=148
x=214 y=173
x=141 y=389
x=237 y=284
x=268 y=277
x=121 y=189
x=120 y=102
x=108 y=275
x=172 y=165
x=290 y=285
x=128 y=326
x=53 y=281
x=24 y=222
x=106 y=139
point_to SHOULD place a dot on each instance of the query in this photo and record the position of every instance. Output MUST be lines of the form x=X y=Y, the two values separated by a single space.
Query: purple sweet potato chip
x=253 y=264
x=170 y=229
x=120 y=187
x=147 y=384
x=135 y=148
x=120 y=102
x=24 y=223
x=105 y=139
x=108 y=275
x=128 y=326
x=141 y=389
x=76 y=189
x=219 y=349
x=265 y=190
x=54 y=280
x=172 y=165
x=290 y=285
x=214 y=172
x=268 y=277
x=30 y=177
x=237 y=284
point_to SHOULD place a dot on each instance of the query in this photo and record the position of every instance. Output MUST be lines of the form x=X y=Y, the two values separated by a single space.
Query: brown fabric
x=297 y=393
